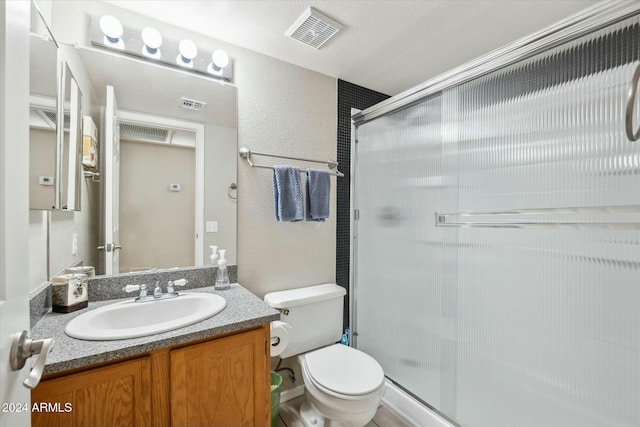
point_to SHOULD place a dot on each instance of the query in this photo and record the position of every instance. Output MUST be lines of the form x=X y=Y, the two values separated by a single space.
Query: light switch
x=45 y=180
x=212 y=226
x=74 y=244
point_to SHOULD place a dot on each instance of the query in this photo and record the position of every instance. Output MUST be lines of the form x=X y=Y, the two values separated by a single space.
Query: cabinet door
x=116 y=395
x=224 y=382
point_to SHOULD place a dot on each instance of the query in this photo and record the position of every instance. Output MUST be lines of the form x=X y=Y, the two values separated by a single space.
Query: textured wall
x=282 y=109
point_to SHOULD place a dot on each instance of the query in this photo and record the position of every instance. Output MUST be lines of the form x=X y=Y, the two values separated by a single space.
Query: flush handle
x=22 y=348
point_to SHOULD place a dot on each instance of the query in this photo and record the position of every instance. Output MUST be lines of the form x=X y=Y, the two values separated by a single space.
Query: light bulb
x=112 y=29
x=219 y=60
x=188 y=51
x=152 y=41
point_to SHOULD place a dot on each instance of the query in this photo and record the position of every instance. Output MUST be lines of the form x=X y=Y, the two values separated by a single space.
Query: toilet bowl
x=343 y=385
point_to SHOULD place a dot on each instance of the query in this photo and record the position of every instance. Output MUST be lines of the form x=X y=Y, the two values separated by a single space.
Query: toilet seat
x=344 y=372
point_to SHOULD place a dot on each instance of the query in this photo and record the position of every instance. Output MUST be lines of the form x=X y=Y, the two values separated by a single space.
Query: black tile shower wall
x=349 y=96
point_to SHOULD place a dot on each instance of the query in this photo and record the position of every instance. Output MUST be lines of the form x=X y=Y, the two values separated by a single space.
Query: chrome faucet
x=143 y=296
x=171 y=286
x=157 y=291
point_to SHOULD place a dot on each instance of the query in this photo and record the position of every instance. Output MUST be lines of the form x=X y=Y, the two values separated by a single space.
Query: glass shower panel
x=517 y=304
x=548 y=325
x=405 y=265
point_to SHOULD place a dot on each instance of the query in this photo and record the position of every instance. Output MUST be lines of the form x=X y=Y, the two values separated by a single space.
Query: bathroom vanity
x=212 y=373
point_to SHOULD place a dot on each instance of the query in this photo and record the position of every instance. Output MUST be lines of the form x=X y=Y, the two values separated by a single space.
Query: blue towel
x=287 y=193
x=318 y=194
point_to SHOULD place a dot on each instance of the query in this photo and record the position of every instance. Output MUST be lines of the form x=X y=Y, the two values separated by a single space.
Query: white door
x=112 y=185
x=14 y=204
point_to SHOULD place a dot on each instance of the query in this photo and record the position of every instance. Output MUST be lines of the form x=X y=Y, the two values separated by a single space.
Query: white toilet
x=343 y=386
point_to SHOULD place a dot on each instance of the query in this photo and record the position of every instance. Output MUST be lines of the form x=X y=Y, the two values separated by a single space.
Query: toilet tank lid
x=302 y=296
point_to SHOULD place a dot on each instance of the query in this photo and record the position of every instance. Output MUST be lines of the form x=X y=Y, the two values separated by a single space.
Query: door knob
x=22 y=348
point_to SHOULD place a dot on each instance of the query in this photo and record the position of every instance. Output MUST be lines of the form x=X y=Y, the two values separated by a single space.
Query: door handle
x=22 y=348
x=631 y=99
x=109 y=247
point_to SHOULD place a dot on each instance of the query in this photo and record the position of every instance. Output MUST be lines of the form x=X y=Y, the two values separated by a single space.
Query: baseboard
x=291 y=393
x=409 y=409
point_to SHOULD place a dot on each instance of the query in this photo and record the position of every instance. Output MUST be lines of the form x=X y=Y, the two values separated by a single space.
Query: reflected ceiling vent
x=313 y=28
x=135 y=132
x=51 y=118
x=192 y=104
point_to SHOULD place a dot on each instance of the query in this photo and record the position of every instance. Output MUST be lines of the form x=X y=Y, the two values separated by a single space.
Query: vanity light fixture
x=112 y=29
x=152 y=41
x=188 y=51
x=219 y=60
x=147 y=42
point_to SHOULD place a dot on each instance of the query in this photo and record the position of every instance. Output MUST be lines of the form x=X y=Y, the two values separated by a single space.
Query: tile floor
x=288 y=416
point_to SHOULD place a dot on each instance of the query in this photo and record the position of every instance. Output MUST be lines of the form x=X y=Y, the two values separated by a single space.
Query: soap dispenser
x=222 y=276
x=214 y=255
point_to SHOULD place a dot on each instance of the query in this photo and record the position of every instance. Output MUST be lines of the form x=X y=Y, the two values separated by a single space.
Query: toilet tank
x=314 y=314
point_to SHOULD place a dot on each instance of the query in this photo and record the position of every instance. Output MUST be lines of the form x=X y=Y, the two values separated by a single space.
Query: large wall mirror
x=168 y=158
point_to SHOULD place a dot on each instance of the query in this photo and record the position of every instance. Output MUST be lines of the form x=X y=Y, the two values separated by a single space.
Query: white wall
x=219 y=146
x=282 y=109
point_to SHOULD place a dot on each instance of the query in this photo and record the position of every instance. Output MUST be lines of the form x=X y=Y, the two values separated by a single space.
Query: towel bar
x=245 y=153
x=622 y=217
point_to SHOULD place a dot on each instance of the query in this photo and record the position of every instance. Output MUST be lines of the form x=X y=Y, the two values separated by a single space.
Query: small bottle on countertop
x=222 y=275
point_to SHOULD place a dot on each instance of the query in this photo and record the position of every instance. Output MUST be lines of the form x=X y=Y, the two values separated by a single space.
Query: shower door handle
x=631 y=100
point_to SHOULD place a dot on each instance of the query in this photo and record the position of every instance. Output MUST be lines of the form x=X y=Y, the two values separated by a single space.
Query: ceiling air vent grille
x=134 y=132
x=313 y=28
x=52 y=116
x=192 y=104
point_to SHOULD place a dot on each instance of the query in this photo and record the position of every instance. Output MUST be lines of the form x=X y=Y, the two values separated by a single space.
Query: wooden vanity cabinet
x=113 y=395
x=219 y=382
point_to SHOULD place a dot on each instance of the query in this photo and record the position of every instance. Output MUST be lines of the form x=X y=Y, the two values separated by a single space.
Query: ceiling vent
x=192 y=104
x=51 y=117
x=135 y=132
x=313 y=28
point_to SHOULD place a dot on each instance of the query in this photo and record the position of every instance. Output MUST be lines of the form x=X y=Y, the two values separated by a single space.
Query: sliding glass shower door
x=497 y=261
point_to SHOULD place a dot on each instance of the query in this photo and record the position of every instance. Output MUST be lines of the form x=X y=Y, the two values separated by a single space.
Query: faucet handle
x=131 y=288
x=180 y=282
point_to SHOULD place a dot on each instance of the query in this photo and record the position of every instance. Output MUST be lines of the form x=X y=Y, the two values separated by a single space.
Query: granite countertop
x=244 y=310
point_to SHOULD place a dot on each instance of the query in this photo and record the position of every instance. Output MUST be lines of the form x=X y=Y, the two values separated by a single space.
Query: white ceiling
x=386 y=45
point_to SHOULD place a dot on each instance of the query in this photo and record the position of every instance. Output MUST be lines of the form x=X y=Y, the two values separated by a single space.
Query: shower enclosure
x=497 y=242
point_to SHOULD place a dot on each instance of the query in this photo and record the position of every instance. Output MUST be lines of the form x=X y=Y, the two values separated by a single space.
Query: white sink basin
x=131 y=319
